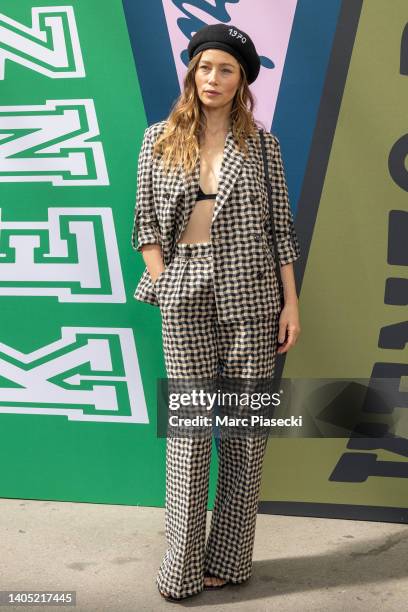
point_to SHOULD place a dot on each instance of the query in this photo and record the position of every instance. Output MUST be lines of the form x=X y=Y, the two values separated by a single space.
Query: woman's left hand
x=289 y=327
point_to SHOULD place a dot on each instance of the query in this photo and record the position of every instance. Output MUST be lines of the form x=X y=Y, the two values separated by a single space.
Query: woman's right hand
x=156 y=276
x=153 y=259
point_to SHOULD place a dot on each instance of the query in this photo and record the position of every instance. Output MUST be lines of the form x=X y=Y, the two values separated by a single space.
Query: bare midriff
x=198 y=227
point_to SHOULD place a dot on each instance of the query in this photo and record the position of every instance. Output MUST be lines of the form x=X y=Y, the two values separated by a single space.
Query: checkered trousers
x=196 y=344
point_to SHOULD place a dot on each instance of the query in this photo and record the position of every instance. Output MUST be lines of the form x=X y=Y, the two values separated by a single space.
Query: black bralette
x=205 y=196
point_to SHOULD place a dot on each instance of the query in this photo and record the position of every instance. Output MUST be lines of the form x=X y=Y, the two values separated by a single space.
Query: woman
x=203 y=227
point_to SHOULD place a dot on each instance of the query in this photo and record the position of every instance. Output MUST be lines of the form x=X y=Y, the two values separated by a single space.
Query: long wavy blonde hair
x=179 y=141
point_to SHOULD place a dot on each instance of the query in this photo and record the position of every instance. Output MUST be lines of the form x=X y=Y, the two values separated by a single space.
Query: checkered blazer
x=245 y=281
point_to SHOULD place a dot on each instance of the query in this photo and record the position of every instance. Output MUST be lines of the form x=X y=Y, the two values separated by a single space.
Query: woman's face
x=217 y=71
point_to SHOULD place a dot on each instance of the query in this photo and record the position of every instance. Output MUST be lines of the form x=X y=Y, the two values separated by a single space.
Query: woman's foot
x=214 y=581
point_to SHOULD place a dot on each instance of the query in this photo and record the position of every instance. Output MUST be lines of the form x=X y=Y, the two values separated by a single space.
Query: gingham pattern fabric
x=245 y=281
x=195 y=345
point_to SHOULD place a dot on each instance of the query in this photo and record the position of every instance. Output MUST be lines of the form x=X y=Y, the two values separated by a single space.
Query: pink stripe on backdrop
x=268 y=23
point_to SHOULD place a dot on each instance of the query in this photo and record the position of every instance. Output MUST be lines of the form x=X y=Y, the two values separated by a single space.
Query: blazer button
x=257 y=237
x=260 y=275
x=166 y=194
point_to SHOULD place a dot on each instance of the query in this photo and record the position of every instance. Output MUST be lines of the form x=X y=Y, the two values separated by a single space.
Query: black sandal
x=215 y=586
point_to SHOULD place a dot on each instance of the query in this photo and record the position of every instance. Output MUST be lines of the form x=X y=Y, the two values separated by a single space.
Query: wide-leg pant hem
x=179 y=594
x=227 y=576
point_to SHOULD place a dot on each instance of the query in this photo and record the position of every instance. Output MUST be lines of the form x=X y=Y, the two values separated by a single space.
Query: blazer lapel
x=230 y=168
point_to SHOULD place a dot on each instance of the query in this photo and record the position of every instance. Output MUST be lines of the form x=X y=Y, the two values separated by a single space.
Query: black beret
x=230 y=39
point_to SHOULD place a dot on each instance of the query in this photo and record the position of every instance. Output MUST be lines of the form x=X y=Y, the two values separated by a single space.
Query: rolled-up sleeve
x=286 y=237
x=145 y=225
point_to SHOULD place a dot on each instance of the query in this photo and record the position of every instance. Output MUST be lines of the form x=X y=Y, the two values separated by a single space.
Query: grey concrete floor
x=110 y=555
